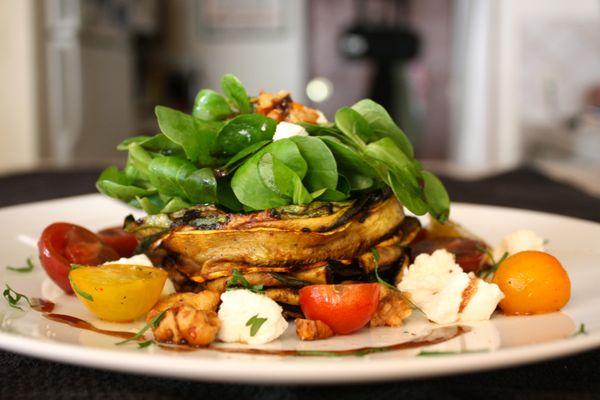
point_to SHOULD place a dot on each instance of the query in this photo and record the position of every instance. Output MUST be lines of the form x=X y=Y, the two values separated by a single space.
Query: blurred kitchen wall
x=478 y=85
x=19 y=116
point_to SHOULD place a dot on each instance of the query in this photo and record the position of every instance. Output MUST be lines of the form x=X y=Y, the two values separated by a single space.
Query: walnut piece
x=190 y=318
x=308 y=329
x=392 y=308
x=280 y=107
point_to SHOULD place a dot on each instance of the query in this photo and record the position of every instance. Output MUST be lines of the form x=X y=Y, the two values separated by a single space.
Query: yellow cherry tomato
x=533 y=282
x=118 y=292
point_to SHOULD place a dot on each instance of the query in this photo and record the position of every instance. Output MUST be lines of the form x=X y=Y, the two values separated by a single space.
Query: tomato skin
x=120 y=241
x=344 y=308
x=62 y=244
x=533 y=282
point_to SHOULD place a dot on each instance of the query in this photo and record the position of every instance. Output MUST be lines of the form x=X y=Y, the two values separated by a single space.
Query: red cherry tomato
x=467 y=251
x=120 y=241
x=345 y=308
x=63 y=244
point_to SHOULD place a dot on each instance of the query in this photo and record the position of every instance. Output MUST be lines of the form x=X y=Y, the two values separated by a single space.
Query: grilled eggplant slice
x=272 y=240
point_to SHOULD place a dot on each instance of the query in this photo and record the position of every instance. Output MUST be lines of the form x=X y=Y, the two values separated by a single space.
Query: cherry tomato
x=467 y=251
x=344 y=308
x=122 y=242
x=62 y=244
x=533 y=282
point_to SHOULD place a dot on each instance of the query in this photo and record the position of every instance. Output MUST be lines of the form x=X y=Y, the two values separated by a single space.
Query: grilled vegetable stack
x=227 y=204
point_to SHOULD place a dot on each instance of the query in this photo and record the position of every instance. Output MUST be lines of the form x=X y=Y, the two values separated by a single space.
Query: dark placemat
x=576 y=377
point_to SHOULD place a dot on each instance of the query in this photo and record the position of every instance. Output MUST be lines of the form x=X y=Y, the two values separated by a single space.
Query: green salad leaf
x=236 y=93
x=211 y=106
x=223 y=153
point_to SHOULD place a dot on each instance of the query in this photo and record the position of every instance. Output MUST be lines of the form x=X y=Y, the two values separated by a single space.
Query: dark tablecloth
x=575 y=377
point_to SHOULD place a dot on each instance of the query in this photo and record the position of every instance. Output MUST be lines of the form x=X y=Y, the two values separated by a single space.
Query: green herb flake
x=489 y=272
x=255 y=323
x=580 y=331
x=13 y=297
x=376 y=263
x=147 y=343
x=80 y=292
x=425 y=353
x=27 y=268
x=154 y=322
x=386 y=284
x=238 y=279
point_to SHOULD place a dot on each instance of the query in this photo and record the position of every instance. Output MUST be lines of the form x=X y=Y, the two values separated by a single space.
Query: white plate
x=501 y=342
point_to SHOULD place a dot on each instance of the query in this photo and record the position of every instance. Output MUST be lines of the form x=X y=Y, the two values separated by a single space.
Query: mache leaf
x=236 y=93
x=211 y=106
x=195 y=136
x=383 y=125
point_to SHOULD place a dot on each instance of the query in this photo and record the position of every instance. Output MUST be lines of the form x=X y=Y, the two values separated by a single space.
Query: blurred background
x=480 y=86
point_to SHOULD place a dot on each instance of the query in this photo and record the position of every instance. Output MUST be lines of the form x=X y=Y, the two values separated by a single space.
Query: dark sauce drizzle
x=436 y=336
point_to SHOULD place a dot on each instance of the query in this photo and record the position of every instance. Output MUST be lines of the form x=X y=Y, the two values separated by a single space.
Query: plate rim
x=259 y=370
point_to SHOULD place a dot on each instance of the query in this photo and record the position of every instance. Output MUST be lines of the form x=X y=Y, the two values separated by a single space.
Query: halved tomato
x=118 y=292
x=122 y=242
x=62 y=244
x=344 y=308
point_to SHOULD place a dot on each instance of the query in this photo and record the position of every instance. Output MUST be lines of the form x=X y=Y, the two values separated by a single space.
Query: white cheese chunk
x=521 y=240
x=140 y=259
x=238 y=307
x=286 y=130
x=483 y=302
x=437 y=284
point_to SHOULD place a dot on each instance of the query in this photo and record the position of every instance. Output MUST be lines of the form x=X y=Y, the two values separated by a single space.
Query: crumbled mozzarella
x=482 y=304
x=238 y=307
x=140 y=259
x=436 y=283
x=286 y=130
x=518 y=241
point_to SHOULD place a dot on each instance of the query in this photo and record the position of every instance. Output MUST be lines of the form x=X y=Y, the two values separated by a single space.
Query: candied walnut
x=190 y=318
x=392 y=308
x=308 y=329
x=280 y=107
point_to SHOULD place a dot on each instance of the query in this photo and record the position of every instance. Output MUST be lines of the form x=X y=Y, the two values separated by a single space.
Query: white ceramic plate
x=501 y=342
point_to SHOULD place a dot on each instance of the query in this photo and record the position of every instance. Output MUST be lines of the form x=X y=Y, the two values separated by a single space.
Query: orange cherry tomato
x=345 y=308
x=533 y=282
x=62 y=244
x=122 y=242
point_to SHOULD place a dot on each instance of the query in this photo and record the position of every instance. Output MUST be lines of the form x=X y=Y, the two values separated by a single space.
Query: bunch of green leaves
x=223 y=154
x=370 y=149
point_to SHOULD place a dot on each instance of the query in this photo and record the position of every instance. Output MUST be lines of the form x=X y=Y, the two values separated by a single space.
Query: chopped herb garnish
x=376 y=264
x=238 y=279
x=489 y=272
x=28 y=268
x=580 y=331
x=255 y=323
x=154 y=322
x=386 y=284
x=425 y=353
x=145 y=344
x=75 y=266
x=80 y=292
x=13 y=298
